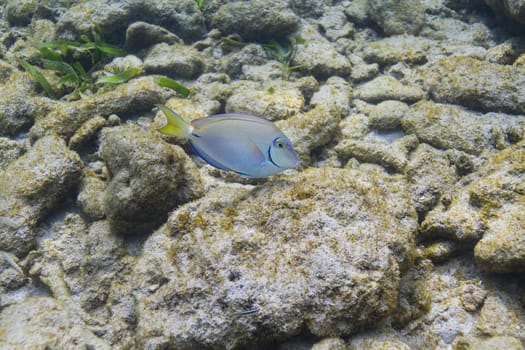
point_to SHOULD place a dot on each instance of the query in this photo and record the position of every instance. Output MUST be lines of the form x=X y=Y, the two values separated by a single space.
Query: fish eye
x=279 y=143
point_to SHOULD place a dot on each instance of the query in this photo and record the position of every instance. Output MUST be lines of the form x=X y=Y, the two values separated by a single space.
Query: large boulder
x=322 y=250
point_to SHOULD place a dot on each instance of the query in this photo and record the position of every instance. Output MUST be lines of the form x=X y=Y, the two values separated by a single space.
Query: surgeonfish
x=245 y=144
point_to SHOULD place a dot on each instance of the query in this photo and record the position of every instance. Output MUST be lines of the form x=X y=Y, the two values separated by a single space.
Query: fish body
x=245 y=144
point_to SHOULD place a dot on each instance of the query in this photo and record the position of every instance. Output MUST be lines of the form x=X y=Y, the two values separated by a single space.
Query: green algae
x=75 y=77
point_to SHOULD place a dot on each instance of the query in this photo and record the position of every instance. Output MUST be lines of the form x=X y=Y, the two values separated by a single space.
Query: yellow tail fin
x=175 y=125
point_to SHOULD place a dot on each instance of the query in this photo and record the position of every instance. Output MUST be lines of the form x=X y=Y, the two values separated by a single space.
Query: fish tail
x=175 y=125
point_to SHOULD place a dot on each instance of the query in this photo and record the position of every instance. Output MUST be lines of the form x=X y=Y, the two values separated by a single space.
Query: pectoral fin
x=255 y=153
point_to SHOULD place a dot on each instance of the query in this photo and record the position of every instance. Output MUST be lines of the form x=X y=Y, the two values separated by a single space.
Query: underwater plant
x=284 y=52
x=200 y=3
x=174 y=85
x=75 y=63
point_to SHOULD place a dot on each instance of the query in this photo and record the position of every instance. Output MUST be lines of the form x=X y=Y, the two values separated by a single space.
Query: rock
x=378 y=344
x=446 y=126
x=20 y=12
x=86 y=267
x=123 y=315
x=499 y=325
x=514 y=10
x=509 y=343
x=453 y=36
x=233 y=63
x=502 y=251
x=6 y=70
x=480 y=85
x=414 y=299
x=149 y=177
x=335 y=91
x=440 y=251
x=335 y=25
x=318 y=126
x=463 y=4
x=119 y=64
x=489 y=208
x=387 y=115
x=90 y=198
x=102 y=249
x=354 y=127
x=446 y=321
x=274 y=100
x=449 y=323
x=113 y=120
x=391 y=50
x=181 y=17
x=43 y=30
x=256 y=19
x=236 y=263
x=310 y=8
x=472 y=297
x=455 y=220
x=357 y=11
x=42 y=322
x=141 y=35
x=507 y=52
x=520 y=62
x=10 y=150
x=386 y=87
x=391 y=156
x=330 y=344
x=272 y=70
x=397 y=17
x=125 y=99
x=176 y=60
x=57 y=263
x=311 y=129
x=317 y=56
x=501 y=315
x=19 y=110
x=500 y=197
x=31 y=187
x=360 y=70
x=431 y=174
x=12 y=276
x=86 y=132
x=308 y=86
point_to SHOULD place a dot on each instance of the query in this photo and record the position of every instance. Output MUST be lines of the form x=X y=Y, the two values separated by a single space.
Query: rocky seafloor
x=403 y=228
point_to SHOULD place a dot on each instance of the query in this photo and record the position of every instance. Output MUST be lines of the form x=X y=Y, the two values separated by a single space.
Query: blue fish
x=245 y=144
